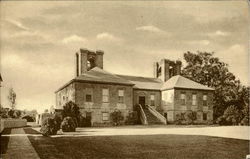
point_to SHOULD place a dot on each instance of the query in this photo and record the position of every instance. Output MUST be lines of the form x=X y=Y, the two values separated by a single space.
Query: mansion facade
x=98 y=92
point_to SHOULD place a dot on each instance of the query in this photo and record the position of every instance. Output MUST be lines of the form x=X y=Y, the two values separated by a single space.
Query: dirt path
x=19 y=146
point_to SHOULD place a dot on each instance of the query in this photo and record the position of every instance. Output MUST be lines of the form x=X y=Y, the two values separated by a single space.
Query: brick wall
x=96 y=106
x=65 y=95
x=199 y=107
x=147 y=94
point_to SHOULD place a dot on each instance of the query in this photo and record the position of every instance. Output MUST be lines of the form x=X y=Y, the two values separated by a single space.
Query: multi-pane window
x=204 y=100
x=194 y=99
x=183 y=98
x=105 y=116
x=152 y=100
x=88 y=98
x=105 y=95
x=121 y=96
x=204 y=116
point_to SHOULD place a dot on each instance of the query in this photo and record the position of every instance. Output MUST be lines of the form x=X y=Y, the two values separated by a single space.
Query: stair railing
x=157 y=114
x=143 y=117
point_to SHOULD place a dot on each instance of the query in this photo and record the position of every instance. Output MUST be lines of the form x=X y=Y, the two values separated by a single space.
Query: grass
x=139 y=146
x=5 y=140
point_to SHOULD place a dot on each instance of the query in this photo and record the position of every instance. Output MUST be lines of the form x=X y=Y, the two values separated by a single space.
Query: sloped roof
x=144 y=82
x=99 y=75
x=182 y=82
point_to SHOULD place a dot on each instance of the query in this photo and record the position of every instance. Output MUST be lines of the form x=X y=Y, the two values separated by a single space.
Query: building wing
x=144 y=82
x=182 y=82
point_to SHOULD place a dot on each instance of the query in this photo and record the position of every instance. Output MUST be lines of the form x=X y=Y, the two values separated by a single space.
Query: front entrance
x=142 y=101
x=88 y=119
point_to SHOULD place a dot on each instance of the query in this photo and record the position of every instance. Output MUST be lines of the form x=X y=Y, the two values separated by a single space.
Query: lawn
x=139 y=146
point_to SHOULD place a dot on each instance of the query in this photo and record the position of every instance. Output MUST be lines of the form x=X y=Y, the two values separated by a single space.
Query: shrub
x=245 y=121
x=116 y=117
x=179 y=119
x=58 y=120
x=28 y=118
x=132 y=118
x=232 y=116
x=49 y=127
x=190 y=117
x=221 y=121
x=68 y=125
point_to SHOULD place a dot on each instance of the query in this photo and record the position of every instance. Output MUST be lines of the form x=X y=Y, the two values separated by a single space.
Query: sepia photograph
x=157 y=79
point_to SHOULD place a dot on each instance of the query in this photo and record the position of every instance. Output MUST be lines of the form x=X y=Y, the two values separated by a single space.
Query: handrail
x=143 y=116
x=157 y=114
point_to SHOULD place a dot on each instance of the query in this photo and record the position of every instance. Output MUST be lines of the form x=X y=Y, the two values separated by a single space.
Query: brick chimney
x=99 y=59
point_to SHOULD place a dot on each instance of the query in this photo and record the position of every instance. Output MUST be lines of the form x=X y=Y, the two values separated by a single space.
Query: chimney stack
x=99 y=59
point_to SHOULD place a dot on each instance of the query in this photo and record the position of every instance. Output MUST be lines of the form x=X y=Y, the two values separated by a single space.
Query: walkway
x=19 y=146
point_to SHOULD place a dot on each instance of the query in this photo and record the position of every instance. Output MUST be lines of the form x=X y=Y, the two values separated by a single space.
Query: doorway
x=88 y=119
x=142 y=101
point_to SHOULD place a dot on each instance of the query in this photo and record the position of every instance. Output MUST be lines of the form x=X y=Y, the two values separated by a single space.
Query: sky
x=39 y=40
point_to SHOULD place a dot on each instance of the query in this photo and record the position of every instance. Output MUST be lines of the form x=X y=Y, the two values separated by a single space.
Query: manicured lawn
x=139 y=146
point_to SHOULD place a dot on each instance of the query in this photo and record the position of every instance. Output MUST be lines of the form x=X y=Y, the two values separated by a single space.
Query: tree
x=12 y=98
x=70 y=109
x=203 y=68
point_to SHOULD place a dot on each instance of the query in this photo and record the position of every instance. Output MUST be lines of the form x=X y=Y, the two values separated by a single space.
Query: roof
x=182 y=82
x=99 y=75
x=144 y=82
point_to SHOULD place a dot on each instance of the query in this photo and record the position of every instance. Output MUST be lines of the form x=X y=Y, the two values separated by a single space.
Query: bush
x=68 y=125
x=58 y=120
x=245 y=121
x=49 y=127
x=179 y=119
x=221 y=121
x=116 y=117
x=190 y=117
x=28 y=118
x=132 y=118
x=232 y=116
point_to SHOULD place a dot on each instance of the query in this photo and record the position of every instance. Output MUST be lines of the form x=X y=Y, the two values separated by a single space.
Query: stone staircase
x=151 y=118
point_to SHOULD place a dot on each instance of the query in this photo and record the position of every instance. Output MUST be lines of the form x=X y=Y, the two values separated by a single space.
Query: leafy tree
x=12 y=98
x=11 y=113
x=203 y=68
x=70 y=109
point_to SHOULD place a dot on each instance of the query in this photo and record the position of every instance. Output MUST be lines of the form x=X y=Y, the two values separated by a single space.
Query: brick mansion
x=159 y=98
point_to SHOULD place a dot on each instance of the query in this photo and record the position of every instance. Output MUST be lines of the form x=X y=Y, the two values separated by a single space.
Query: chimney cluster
x=165 y=69
x=86 y=60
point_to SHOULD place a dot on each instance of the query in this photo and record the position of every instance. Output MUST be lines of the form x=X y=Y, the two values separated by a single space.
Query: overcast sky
x=39 y=40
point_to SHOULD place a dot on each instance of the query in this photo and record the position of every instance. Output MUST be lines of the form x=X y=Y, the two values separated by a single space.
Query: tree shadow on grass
x=5 y=140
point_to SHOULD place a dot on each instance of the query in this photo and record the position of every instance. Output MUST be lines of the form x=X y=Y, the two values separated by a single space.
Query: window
x=120 y=96
x=194 y=99
x=105 y=116
x=204 y=100
x=204 y=116
x=152 y=99
x=105 y=95
x=88 y=98
x=183 y=98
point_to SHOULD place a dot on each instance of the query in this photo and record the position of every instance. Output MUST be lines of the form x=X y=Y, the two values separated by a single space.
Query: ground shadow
x=5 y=140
